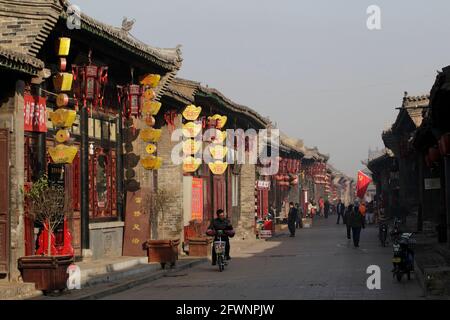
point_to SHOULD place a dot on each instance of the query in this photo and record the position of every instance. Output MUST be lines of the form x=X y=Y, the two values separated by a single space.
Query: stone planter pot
x=200 y=247
x=48 y=273
x=163 y=251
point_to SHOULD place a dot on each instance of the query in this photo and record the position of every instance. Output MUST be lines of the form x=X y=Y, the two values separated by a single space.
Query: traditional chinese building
x=198 y=190
x=398 y=140
x=431 y=144
x=94 y=179
x=383 y=167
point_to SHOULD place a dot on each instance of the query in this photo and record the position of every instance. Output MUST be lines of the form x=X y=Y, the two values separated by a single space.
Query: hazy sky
x=312 y=67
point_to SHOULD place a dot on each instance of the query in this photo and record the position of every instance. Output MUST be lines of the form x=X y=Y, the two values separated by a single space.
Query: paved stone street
x=319 y=263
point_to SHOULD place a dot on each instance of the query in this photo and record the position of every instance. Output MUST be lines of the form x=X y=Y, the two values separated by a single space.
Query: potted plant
x=161 y=250
x=198 y=244
x=48 y=271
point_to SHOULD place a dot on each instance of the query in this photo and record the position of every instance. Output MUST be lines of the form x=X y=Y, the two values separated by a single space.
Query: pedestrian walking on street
x=321 y=206
x=346 y=219
x=340 y=210
x=292 y=218
x=326 y=208
x=357 y=222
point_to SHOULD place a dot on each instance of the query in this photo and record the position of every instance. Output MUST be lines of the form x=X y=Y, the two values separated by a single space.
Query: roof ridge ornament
x=127 y=25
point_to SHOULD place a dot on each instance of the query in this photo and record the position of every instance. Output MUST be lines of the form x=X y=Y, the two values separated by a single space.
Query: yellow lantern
x=149 y=95
x=218 y=151
x=151 y=148
x=150 y=134
x=191 y=164
x=151 y=107
x=63 y=81
x=191 y=129
x=191 y=112
x=63 y=46
x=151 y=162
x=221 y=120
x=63 y=118
x=62 y=135
x=62 y=153
x=191 y=146
x=218 y=167
x=220 y=137
x=215 y=136
x=151 y=80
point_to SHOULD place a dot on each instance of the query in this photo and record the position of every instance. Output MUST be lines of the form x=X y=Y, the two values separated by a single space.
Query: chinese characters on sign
x=197 y=199
x=263 y=185
x=35 y=114
x=137 y=225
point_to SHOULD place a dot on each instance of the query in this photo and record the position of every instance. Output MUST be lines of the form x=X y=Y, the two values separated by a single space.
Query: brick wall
x=25 y=26
x=170 y=177
x=11 y=116
x=246 y=223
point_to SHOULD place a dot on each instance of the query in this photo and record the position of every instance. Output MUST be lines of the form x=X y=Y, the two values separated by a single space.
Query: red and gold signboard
x=197 y=199
x=137 y=226
x=35 y=114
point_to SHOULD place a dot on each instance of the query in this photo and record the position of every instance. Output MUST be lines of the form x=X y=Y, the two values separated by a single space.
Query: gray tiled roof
x=264 y=122
x=25 y=25
x=19 y=61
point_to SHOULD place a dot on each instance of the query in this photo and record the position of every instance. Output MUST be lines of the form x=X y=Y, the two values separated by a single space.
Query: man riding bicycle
x=221 y=227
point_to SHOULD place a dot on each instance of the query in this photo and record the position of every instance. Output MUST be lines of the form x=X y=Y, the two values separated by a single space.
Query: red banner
x=363 y=183
x=35 y=113
x=197 y=199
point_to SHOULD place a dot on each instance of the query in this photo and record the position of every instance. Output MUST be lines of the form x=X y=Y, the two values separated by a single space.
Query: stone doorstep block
x=119 y=275
x=437 y=280
x=102 y=269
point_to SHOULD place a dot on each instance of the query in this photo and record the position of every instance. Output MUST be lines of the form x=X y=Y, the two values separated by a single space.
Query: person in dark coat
x=326 y=208
x=222 y=224
x=292 y=218
x=357 y=222
x=346 y=219
x=340 y=210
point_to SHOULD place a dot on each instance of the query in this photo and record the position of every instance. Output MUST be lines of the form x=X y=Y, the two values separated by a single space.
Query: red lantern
x=130 y=96
x=89 y=83
x=444 y=144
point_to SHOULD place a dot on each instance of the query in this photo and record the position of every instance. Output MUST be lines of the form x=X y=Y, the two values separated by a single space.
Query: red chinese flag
x=363 y=183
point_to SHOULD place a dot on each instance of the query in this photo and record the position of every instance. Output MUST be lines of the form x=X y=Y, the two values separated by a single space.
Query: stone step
x=92 y=280
x=95 y=272
x=18 y=291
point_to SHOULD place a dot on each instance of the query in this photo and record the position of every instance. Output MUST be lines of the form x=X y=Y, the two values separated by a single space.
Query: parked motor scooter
x=403 y=259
